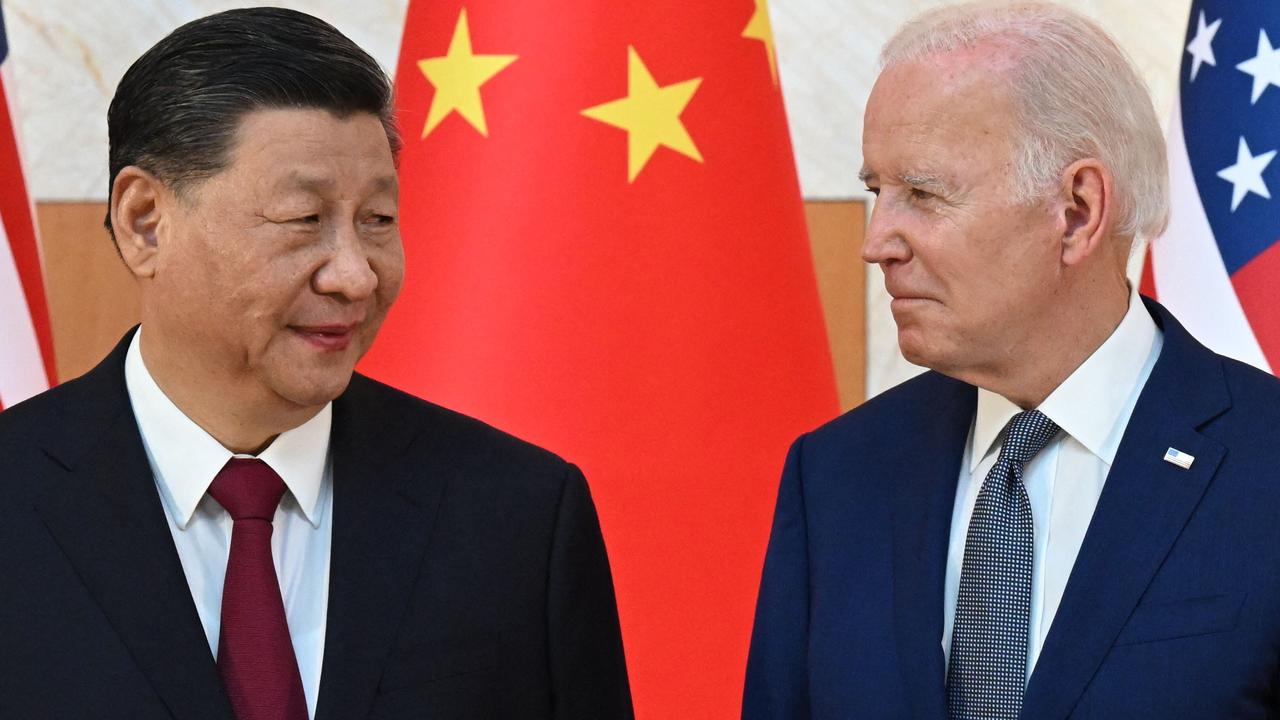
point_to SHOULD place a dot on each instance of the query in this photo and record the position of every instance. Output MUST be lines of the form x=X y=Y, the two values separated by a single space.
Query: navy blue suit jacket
x=1172 y=609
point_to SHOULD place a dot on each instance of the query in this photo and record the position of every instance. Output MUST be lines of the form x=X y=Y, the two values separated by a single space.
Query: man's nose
x=347 y=271
x=885 y=240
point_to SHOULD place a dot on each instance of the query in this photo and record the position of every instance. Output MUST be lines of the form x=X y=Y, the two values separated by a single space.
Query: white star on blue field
x=1230 y=93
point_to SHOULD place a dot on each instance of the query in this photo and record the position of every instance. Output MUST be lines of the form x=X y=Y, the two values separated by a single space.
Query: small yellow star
x=650 y=115
x=760 y=29
x=457 y=78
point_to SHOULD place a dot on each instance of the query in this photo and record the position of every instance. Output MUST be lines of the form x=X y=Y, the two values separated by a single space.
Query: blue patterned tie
x=987 y=675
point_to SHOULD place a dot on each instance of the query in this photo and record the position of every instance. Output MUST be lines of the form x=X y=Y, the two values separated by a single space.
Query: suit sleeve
x=777 y=667
x=589 y=671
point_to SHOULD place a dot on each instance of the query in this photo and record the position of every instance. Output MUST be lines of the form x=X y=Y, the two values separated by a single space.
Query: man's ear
x=136 y=209
x=1087 y=193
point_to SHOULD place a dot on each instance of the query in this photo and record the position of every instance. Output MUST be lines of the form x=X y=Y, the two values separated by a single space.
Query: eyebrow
x=314 y=184
x=923 y=180
x=908 y=178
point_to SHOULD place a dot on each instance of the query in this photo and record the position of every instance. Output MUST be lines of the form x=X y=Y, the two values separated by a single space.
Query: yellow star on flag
x=650 y=115
x=457 y=78
x=760 y=29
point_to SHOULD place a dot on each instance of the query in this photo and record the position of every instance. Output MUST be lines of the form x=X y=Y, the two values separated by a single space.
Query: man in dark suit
x=221 y=520
x=1074 y=513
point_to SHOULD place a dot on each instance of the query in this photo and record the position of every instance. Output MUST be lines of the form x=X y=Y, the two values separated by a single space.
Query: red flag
x=26 y=341
x=606 y=255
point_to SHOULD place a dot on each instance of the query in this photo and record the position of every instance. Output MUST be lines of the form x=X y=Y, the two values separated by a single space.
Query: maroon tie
x=255 y=653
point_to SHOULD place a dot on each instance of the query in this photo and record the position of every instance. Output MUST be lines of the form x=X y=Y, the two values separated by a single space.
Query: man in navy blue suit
x=1076 y=513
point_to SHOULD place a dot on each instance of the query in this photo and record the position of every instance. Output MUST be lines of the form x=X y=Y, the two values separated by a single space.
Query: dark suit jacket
x=468 y=575
x=1172 y=609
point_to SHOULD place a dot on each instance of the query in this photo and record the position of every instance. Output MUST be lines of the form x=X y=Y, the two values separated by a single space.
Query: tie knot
x=1028 y=432
x=248 y=488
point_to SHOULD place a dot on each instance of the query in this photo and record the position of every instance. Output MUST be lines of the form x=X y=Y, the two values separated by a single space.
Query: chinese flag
x=607 y=256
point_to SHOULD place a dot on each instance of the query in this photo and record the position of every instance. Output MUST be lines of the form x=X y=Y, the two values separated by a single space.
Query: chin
x=917 y=358
x=911 y=345
x=917 y=351
x=311 y=392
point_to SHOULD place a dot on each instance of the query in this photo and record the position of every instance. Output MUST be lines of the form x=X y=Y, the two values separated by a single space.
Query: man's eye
x=873 y=190
x=308 y=219
x=382 y=219
x=918 y=194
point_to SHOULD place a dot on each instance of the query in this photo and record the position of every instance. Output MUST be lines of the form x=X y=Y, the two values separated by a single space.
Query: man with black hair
x=222 y=520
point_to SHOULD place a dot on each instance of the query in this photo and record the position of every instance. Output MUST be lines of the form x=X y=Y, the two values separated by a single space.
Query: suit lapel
x=1143 y=507
x=387 y=489
x=925 y=479
x=107 y=518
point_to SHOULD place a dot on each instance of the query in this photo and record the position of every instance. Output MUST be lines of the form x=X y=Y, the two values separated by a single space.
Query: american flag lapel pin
x=1179 y=458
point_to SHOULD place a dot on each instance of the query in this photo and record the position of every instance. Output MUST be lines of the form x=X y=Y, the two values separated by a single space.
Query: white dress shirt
x=185 y=459
x=1063 y=481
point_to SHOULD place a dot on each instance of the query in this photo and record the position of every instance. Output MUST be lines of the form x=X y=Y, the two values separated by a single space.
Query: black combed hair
x=176 y=111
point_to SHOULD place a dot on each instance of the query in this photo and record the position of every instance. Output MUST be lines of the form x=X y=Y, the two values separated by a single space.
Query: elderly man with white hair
x=1076 y=513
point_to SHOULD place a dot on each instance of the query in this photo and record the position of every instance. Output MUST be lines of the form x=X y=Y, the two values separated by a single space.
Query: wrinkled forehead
x=955 y=106
x=978 y=78
x=311 y=151
x=267 y=124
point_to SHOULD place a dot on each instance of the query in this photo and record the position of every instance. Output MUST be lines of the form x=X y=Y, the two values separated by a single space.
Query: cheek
x=266 y=300
x=951 y=267
x=197 y=283
x=388 y=264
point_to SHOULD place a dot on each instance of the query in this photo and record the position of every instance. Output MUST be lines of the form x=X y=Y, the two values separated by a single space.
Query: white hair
x=1076 y=93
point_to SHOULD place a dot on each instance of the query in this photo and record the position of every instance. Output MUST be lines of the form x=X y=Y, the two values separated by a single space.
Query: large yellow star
x=457 y=78
x=760 y=29
x=650 y=115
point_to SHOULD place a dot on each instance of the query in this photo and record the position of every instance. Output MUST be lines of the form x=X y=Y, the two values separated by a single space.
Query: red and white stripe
x=26 y=340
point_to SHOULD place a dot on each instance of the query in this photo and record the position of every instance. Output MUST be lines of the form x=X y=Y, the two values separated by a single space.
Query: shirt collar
x=185 y=458
x=1089 y=404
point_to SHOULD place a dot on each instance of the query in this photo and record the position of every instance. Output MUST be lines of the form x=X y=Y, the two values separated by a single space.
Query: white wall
x=69 y=54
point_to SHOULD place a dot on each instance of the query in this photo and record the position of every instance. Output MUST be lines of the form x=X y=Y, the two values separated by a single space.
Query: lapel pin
x=1179 y=458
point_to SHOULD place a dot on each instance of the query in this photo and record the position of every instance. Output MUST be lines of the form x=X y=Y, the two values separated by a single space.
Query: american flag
x=1218 y=266
x=26 y=342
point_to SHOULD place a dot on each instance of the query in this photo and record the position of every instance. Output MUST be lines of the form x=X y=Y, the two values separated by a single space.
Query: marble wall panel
x=68 y=56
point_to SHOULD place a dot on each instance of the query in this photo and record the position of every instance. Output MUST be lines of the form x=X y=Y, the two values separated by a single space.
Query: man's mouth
x=326 y=337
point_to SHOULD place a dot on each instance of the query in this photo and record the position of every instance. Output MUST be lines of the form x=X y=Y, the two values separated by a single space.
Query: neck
x=237 y=412
x=1042 y=360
